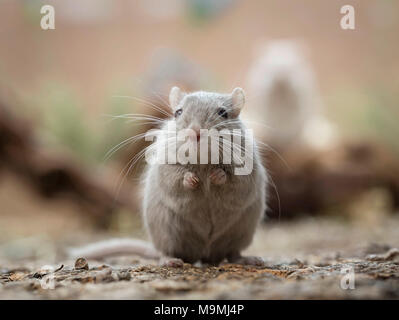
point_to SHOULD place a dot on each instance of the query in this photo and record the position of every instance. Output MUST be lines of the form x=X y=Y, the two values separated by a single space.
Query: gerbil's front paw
x=171 y=262
x=218 y=176
x=190 y=180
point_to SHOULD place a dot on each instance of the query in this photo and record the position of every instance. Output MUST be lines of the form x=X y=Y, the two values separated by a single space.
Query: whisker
x=276 y=153
x=277 y=194
x=129 y=166
x=147 y=103
x=136 y=115
x=159 y=96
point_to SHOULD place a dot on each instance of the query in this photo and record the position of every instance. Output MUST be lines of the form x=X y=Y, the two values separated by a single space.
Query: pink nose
x=196 y=132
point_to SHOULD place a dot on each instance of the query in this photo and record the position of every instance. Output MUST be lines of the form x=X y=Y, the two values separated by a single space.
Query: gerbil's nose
x=197 y=131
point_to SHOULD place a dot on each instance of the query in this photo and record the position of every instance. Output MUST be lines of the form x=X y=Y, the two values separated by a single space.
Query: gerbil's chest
x=215 y=199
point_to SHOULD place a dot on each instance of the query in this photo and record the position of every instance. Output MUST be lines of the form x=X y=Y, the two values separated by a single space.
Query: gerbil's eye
x=222 y=112
x=178 y=112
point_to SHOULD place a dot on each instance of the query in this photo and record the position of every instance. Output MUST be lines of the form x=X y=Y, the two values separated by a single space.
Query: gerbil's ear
x=175 y=96
x=238 y=101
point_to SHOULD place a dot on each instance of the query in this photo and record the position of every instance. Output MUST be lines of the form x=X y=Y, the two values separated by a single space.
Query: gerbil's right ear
x=238 y=101
x=175 y=96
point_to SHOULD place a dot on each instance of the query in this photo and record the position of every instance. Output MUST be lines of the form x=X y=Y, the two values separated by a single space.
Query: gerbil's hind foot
x=249 y=261
x=171 y=262
x=190 y=180
x=218 y=176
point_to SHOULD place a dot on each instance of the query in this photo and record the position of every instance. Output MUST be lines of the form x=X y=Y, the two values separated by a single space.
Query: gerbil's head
x=206 y=110
x=200 y=122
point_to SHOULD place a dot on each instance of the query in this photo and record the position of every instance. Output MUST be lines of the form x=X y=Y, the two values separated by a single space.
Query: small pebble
x=124 y=275
x=104 y=275
x=81 y=264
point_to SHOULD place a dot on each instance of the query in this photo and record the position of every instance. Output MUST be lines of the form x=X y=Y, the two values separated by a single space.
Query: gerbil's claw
x=218 y=176
x=190 y=180
x=171 y=262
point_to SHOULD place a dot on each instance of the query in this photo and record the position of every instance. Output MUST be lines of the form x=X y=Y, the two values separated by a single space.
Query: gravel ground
x=307 y=259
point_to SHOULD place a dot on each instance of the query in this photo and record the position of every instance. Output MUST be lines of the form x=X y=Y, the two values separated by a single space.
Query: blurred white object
x=169 y=68
x=161 y=10
x=83 y=12
x=319 y=132
x=282 y=91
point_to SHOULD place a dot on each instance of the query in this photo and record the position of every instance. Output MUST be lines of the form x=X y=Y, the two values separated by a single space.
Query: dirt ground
x=305 y=259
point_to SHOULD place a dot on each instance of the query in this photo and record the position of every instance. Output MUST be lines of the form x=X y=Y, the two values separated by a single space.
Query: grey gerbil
x=201 y=212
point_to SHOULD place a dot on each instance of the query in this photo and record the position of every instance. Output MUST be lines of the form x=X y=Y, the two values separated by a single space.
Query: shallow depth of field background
x=65 y=82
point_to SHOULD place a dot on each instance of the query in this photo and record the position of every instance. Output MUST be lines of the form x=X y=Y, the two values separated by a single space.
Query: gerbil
x=201 y=212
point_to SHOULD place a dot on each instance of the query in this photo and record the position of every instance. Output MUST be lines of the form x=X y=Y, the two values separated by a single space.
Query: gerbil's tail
x=115 y=247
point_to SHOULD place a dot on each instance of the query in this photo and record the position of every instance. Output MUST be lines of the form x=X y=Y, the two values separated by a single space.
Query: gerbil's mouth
x=195 y=136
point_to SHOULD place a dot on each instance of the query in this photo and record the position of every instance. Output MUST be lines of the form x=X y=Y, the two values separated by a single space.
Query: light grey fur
x=212 y=222
x=114 y=247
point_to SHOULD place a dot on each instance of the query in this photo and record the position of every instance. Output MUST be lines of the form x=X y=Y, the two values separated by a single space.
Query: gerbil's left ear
x=238 y=101
x=175 y=96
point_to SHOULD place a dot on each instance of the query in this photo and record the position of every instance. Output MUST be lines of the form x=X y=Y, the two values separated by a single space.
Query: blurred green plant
x=200 y=11
x=367 y=112
x=64 y=124
x=64 y=121
x=115 y=130
x=31 y=9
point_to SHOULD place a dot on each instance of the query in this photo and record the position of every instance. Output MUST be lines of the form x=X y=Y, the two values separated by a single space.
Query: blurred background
x=323 y=100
